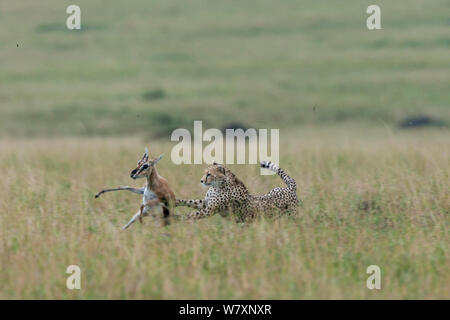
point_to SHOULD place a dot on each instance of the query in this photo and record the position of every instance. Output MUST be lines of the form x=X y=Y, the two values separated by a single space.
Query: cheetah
x=227 y=194
x=279 y=199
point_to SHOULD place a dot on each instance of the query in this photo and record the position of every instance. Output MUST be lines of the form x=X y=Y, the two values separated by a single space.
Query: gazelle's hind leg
x=143 y=211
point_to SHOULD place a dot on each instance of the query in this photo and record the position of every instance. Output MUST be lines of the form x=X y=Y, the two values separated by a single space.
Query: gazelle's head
x=145 y=166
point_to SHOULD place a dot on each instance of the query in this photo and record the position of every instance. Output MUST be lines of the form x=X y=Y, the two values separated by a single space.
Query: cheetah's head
x=214 y=175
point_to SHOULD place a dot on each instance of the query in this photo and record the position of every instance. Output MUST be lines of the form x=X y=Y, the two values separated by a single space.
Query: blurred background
x=148 y=67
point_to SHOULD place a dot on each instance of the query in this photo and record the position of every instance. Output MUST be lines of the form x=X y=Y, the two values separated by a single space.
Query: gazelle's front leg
x=132 y=220
x=140 y=213
x=196 y=204
x=126 y=188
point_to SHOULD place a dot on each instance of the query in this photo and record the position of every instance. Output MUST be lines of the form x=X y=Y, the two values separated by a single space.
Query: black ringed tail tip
x=265 y=164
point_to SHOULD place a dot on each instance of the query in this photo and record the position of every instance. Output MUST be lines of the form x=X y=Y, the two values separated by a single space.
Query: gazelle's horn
x=146 y=153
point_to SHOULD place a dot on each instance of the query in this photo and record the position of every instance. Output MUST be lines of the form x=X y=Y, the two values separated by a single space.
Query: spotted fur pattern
x=278 y=199
x=227 y=194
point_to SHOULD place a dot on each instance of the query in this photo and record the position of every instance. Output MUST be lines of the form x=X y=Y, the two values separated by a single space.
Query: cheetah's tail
x=272 y=166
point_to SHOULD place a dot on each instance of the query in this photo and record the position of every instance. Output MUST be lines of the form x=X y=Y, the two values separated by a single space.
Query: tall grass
x=369 y=199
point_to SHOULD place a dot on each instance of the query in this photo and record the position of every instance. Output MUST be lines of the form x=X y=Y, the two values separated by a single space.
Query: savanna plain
x=364 y=129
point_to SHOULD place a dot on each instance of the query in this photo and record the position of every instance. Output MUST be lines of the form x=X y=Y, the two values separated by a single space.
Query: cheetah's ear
x=221 y=169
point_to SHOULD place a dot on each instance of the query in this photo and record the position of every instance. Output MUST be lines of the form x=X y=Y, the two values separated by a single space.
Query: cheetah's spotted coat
x=227 y=194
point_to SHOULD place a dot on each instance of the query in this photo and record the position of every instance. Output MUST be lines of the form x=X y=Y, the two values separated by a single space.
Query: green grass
x=377 y=198
x=371 y=192
x=205 y=59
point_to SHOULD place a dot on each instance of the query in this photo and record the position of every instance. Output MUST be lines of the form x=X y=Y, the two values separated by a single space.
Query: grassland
x=152 y=66
x=77 y=108
x=365 y=201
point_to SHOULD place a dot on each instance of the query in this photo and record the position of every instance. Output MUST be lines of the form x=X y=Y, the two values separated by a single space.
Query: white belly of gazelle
x=153 y=211
x=148 y=196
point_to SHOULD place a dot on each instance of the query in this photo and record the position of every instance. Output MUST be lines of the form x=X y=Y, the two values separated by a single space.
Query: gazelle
x=156 y=192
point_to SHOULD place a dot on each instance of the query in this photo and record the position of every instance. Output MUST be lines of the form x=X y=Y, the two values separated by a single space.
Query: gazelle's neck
x=153 y=180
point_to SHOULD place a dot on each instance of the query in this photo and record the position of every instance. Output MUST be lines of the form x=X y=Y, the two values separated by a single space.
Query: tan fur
x=227 y=193
x=166 y=197
x=156 y=191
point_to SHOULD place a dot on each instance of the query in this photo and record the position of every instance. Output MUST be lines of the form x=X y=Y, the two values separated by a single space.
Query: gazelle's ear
x=157 y=159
